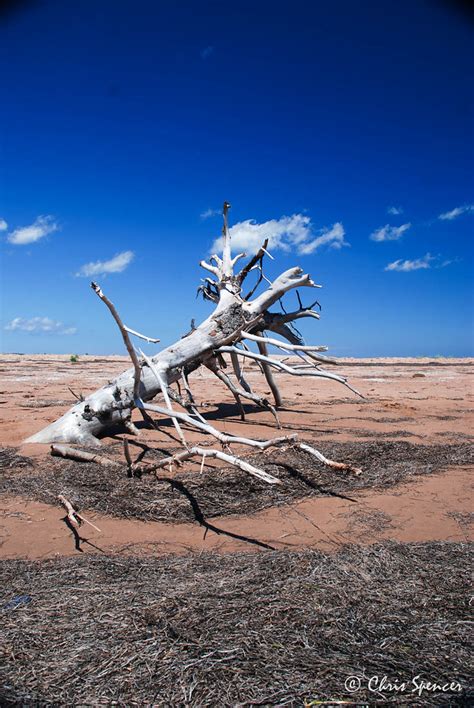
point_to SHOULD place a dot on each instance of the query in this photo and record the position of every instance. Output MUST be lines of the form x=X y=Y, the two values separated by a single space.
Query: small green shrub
x=73 y=358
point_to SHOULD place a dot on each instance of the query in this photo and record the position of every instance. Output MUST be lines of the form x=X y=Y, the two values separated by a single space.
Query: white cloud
x=458 y=211
x=287 y=233
x=40 y=228
x=407 y=266
x=395 y=211
x=39 y=325
x=210 y=212
x=3 y=225
x=334 y=238
x=117 y=264
x=389 y=233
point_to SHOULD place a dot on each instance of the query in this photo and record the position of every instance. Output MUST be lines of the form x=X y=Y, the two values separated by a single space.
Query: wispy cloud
x=3 y=225
x=117 y=264
x=389 y=233
x=406 y=266
x=458 y=211
x=39 y=325
x=40 y=228
x=209 y=213
x=394 y=211
x=333 y=238
x=448 y=262
x=287 y=233
x=206 y=52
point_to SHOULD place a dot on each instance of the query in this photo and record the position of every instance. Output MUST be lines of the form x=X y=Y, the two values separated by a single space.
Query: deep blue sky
x=125 y=121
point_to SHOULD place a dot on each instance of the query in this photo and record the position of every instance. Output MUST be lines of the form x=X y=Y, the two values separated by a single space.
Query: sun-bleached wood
x=236 y=317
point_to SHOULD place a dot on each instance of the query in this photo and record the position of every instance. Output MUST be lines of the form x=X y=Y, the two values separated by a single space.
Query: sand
x=424 y=401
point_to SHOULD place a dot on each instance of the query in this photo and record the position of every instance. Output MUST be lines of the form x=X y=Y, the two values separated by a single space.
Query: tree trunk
x=234 y=317
x=111 y=405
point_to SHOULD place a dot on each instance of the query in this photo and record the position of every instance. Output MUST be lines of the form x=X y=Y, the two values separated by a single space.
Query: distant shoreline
x=434 y=360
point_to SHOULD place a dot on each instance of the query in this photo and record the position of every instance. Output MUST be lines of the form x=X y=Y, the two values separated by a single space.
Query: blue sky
x=124 y=126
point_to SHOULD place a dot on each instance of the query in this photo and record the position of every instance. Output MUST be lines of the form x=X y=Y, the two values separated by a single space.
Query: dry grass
x=223 y=491
x=266 y=628
x=11 y=462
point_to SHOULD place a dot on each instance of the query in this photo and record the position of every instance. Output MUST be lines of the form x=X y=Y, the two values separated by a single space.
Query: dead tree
x=237 y=318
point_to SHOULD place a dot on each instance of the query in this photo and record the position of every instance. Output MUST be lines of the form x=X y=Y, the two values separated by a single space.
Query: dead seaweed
x=222 y=491
x=44 y=403
x=266 y=628
x=11 y=460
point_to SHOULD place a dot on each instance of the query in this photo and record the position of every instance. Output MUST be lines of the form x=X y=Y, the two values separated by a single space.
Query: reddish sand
x=427 y=401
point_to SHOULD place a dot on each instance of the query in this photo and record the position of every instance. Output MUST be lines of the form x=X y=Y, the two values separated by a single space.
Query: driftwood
x=73 y=453
x=235 y=320
x=74 y=517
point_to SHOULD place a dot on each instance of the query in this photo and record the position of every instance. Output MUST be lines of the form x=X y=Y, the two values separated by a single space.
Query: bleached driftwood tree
x=237 y=318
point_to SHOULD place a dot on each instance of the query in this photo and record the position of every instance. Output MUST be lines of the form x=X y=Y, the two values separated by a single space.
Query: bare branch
x=207 y=428
x=240 y=392
x=128 y=457
x=210 y=452
x=212 y=366
x=132 y=429
x=210 y=268
x=73 y=515
x=73 y=453
x=288 y=369
x=217 y=261
x=268 y=254
x=208 y=291
x=261 y=277
x=164 y=390
x=267 y=372
x=133 y=356
x=237 y=258
x=330 y=463
x=141 y=336
x=290 y=279
x=79 y=397
x=238 y=372
x=309 y=349
x=226 y=249
x=281 y=345
x=255 y=259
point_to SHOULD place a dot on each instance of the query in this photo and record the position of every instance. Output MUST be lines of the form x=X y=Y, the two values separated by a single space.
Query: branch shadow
x=79 y=539
x=198 y=515
x=231 y=410
x=162 y=424
x=296 y=474
x=200 y=518
x=216 y=411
